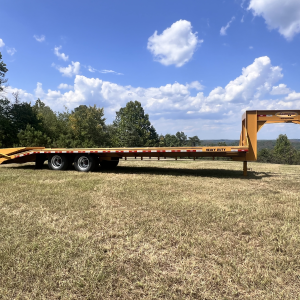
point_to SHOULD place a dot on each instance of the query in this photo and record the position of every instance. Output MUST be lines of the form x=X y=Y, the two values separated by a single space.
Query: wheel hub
x=56 y=161
x=83 y=162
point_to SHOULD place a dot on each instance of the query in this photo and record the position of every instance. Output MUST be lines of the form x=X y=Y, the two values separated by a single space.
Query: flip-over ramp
x=7 y=154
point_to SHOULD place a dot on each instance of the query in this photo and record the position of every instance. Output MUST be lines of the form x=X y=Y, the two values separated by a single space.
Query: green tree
x=282 y=146
x=5 y=123
x=161 y=141
x=133 y=127
x=65 y=137
x=194 y=141
x=3 y=71
x=284 y=152
x=31 y=137
x=171 y=140
x=265 y=155
x=111 y=133
x=182 y=139
x=6 y=126
x=48 y=119
x=55 y=125
x=23 y=114
x=13 y=119
x=87 y=124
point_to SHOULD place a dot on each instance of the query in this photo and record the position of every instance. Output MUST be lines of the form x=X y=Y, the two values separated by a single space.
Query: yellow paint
x=6 y=156
x=254 y=120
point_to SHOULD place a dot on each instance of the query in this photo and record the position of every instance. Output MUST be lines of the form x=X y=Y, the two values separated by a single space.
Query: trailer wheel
x=58 y=162
x=85 y=163
x=109 y=164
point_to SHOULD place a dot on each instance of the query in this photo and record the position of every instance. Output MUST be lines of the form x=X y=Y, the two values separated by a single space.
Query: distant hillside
x=269 y=144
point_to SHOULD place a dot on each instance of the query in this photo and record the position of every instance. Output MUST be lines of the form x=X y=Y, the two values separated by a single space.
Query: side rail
x=184 y=151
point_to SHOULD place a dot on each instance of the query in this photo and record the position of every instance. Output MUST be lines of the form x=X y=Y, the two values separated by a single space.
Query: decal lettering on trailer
x=286 y=114
x=215 y=149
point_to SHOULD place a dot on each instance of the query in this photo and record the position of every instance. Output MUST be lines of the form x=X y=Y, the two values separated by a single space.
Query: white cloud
x=70 y=70
x=176 y=45
x=11 y=51
x=2 y=44
x=110 y=71
x=283 y=15
x=39 y=38
x=224 y=28
x=51 y=97
x=293 y=96
x=91 y=69
x=60 y=55
x=23 y=95
x=64 y=86
x=280 y=89
x=173 y=107
x=256 y=80
x=174 y=100
x=171 y=98
x=195 y=85
x=250 y=47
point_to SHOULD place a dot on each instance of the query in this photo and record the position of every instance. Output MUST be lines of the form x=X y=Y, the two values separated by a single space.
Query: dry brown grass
x=150 y=230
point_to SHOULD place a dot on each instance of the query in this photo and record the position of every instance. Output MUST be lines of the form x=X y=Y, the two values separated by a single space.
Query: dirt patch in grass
x=150 y=230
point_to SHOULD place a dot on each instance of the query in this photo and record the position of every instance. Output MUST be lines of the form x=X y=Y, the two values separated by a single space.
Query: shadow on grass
x=216 y=173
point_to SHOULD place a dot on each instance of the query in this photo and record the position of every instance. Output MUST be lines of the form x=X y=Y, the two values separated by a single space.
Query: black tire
x=58 y=162
x=86 y=162
x=109 y=164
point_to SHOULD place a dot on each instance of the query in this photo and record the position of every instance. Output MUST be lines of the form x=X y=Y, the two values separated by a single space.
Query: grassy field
x=150 y=230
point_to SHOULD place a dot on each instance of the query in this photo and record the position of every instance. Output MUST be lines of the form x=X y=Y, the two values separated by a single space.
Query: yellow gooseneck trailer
x=88 y=159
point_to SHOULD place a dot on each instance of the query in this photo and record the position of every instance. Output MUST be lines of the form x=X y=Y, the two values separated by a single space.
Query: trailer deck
x=86 y=159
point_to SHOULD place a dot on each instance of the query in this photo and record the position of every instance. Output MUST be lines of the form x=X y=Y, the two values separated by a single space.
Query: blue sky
x=194 y=65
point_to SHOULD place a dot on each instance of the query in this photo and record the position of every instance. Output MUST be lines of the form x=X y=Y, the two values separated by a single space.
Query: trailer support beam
x=245 y=168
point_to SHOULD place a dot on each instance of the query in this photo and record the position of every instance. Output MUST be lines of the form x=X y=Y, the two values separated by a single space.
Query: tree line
x=283 y=153
x=26 y=125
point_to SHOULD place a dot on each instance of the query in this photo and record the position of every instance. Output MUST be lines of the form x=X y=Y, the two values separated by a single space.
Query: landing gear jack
x=245 y=168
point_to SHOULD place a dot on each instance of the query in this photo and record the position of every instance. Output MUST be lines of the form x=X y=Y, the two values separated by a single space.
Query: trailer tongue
x=88 y=159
